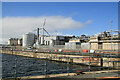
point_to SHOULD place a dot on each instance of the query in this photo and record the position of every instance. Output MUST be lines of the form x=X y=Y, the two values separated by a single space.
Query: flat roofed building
x=97 y=43
x=13 y=41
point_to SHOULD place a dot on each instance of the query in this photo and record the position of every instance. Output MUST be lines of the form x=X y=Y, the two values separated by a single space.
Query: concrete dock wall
x=103 y=62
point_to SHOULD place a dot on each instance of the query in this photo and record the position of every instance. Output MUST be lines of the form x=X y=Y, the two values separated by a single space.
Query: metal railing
x=45 y=71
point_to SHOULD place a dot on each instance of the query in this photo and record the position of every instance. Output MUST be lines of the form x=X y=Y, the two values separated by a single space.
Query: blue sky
x=99 y=13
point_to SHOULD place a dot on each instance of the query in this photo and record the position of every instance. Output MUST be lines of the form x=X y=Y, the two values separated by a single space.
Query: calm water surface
x=13 y=66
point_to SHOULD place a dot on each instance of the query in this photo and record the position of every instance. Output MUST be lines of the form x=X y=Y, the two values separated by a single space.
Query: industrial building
x=54 y=40
x=77 y=40
x=20 y=42
x=78 y=43
x=73 y=43
x=105 y=42
x=30 y=40
x=14 y=42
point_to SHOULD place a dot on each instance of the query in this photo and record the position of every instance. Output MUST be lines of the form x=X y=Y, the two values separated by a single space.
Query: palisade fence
x=44 y=67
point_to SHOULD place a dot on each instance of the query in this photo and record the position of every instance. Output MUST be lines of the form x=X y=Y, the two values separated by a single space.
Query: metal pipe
x=89 y=63
x=68 y=66
x=38 y=35
x=108 y=63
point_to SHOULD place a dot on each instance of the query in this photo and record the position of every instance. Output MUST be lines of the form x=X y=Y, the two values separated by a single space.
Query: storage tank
x=28 y=39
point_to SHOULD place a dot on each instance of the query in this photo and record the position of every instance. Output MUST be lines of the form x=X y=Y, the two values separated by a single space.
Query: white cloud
x=89 y=21
x=17 y=26
x=60 y=33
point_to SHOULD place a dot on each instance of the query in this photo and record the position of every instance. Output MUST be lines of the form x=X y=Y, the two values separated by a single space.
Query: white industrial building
x=52 y=40
x=14 y=42
x=73 y=43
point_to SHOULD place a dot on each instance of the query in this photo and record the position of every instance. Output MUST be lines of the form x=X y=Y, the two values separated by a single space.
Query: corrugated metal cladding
x=70 y=45
x=28 y=39
x=85 y=45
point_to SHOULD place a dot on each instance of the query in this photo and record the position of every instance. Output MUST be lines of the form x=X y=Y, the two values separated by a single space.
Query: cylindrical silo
x=28 y=39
